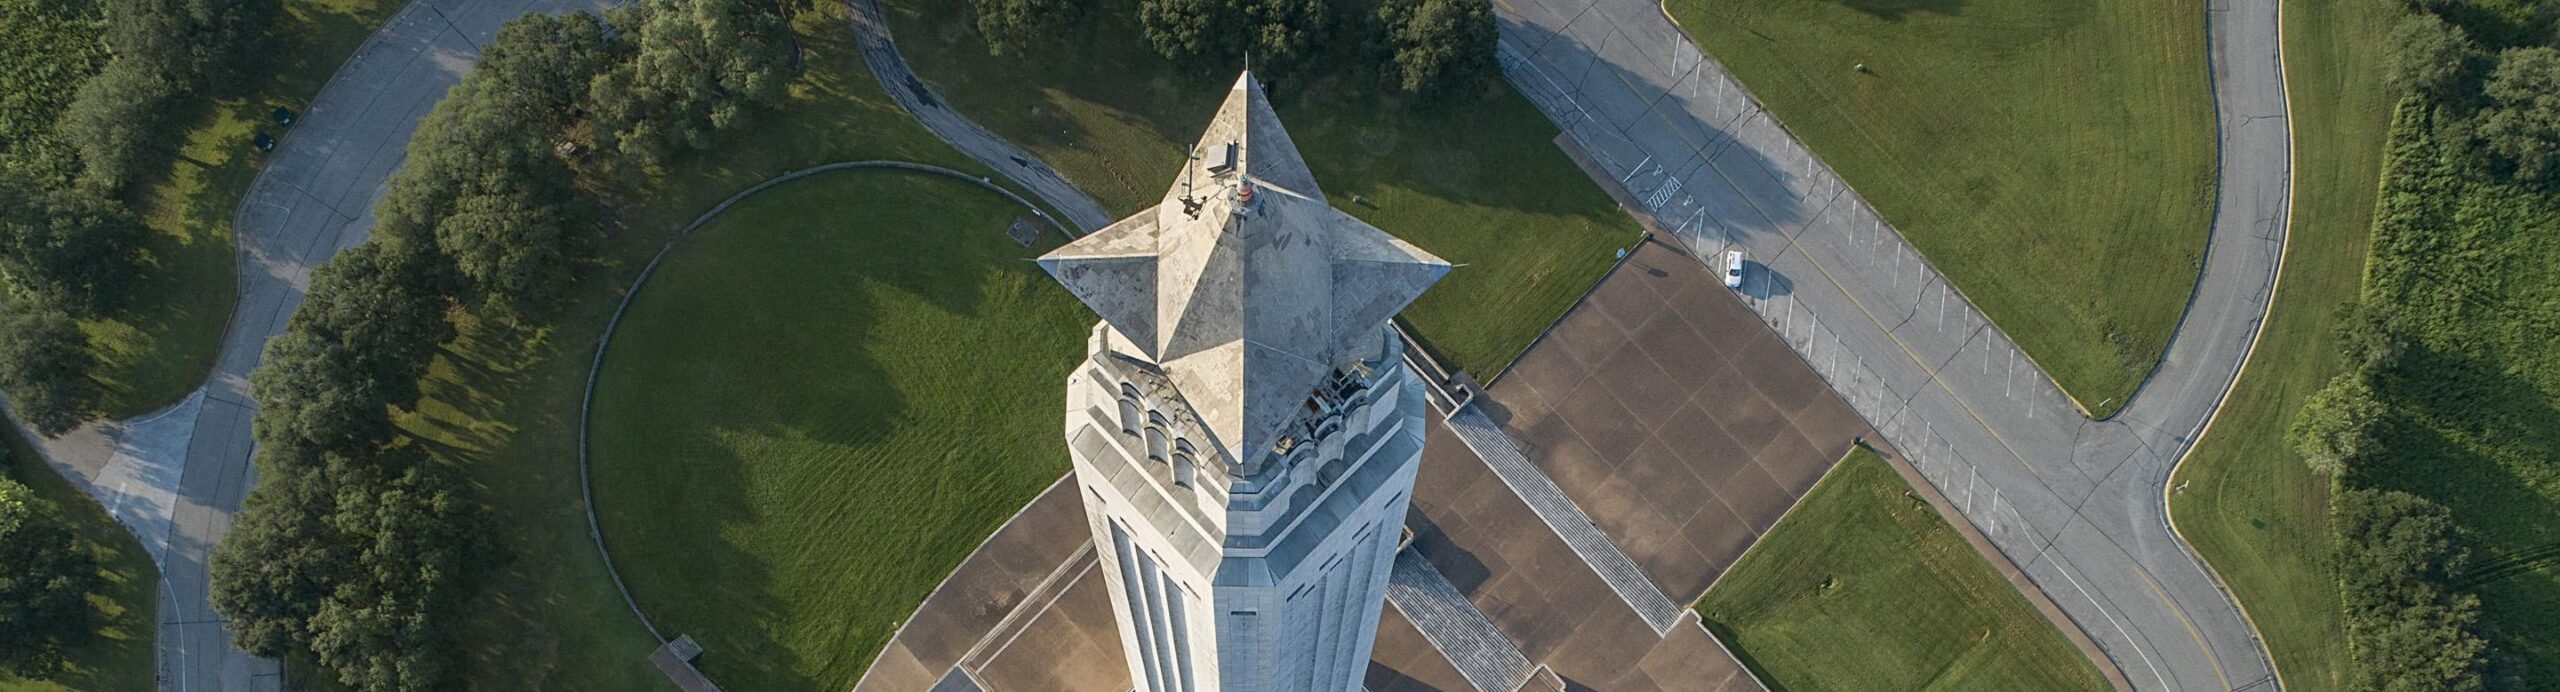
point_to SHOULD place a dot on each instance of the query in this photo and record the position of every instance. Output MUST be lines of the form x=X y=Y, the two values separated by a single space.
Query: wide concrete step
x=1453 y=625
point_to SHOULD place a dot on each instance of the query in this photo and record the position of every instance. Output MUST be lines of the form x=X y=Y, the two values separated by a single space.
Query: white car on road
x=1733 y=269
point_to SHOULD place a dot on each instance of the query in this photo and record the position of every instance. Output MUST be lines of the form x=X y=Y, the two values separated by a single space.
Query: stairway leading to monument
x=1480 y=652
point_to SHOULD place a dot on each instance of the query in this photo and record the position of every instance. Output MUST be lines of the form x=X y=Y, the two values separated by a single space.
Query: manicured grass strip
x=158 y=348
x=1864 y=587
x=119 y=657
x=817 y=409
x=1480 y=183
x=503 y=400
x=2055 y=159
x=2245 y=500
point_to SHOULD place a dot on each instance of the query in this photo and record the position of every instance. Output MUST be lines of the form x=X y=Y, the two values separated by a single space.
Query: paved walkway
x=174 y=477
x=2077 y=503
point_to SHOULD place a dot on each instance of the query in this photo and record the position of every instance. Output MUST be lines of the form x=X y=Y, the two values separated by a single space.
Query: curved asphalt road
x=2077 y=503
x=175 y=476
x=871 y=31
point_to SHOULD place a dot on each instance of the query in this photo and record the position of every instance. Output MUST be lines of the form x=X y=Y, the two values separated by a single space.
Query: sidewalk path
x=174 y=477
x=2078 y=504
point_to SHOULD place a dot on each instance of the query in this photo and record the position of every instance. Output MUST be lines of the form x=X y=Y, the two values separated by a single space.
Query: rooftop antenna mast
x=1190 y=203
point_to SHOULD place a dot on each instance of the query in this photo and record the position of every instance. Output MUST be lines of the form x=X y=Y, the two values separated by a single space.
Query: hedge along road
x=175 y=476
x=2079 y=504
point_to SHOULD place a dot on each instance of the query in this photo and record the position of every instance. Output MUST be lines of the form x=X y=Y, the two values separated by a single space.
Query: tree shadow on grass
x=2469 y=434
x=788 y=454
x=1897 y=10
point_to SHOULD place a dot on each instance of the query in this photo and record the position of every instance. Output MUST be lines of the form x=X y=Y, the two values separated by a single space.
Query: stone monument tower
x=1243 y=429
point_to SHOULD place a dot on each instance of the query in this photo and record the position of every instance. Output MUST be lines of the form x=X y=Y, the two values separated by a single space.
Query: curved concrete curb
x=586 y=400
x=2275 y=288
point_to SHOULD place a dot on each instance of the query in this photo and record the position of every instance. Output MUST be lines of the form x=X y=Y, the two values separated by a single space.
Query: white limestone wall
x=1309 y=629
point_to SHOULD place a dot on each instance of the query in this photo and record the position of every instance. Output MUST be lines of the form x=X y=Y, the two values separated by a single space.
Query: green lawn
x=1864 y=587
x=2246 y=501
x=1481 y=185
x=818 y=407
x=503 y=401
x=159 y=347
x=2054 y=159
x=119 y=657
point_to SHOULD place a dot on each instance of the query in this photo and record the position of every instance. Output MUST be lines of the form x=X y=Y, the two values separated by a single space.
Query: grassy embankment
x=503 y=402
x=2055 y=160
x=1480 y=185
x=2245 y=500
x=119 y=655
x=1864 y=587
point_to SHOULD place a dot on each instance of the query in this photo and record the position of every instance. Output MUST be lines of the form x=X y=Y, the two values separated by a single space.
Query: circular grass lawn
x=815 y=410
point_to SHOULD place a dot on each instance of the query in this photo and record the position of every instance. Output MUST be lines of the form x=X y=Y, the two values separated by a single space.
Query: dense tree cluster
x=69 y=248
x=44 y=368
x=356 y=547
x=162 y=52
x=1441 y=44
x=2427 y=55
x=685 y=70
x=1010 y=26
x=2523 y=122
x=64 y=253
x=485 y=185
x=2335 y=428
x=2405 y=628
x=1439 y=47
x=44 y=591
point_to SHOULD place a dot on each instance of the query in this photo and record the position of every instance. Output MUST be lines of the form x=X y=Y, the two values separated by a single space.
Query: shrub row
x=357 y=547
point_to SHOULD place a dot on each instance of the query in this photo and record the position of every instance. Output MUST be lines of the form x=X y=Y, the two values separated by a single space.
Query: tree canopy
x=2335 y=427
x=2408 y=632
x=44 y=368
x=44 y=590
x=72 y=249
x=2523 y=125
x=2427 y=54
x=1273 y=33
x=1010 y=25
x=687 y=70
x=1441 y=46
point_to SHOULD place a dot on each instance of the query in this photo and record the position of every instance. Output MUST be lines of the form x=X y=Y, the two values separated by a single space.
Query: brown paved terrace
x=1675 y=417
